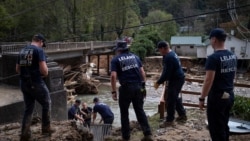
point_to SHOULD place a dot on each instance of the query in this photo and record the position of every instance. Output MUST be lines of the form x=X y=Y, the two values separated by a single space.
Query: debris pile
x=78 y=80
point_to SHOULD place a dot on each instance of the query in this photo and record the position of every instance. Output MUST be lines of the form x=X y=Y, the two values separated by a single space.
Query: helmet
x=121 y=45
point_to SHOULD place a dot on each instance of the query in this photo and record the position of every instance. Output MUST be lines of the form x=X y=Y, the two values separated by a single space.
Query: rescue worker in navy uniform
x=74 y=112
x=174 y=76
x=32 y=67
x=218 y=85
x=128 y=69
x=104 y=110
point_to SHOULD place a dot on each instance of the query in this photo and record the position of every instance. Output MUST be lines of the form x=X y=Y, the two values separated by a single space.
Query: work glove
x=143 y=90
x=156 y=85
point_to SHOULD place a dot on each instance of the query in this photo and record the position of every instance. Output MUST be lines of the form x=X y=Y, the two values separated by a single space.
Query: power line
x=163 y=21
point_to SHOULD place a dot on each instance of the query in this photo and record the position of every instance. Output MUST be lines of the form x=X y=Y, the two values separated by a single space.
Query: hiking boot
x=182 y=118
x=167 y=124
x=147 y=138
x=47 y=130
x=25 y=137
x=122 y=139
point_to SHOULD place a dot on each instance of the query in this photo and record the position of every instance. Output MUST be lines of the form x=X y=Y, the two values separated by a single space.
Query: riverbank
x=194 y=129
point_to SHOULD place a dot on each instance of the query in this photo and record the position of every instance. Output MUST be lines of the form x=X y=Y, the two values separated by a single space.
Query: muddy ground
x=194 y=129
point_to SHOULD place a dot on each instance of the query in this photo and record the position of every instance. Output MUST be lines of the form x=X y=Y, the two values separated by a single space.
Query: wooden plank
x=161 y=109
x=192 y=104
x=242 y=85
x=194 y=80
x=191 y=92
x=201 y=81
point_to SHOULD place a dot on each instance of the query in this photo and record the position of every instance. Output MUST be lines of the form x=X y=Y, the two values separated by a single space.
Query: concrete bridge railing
x=59 y=46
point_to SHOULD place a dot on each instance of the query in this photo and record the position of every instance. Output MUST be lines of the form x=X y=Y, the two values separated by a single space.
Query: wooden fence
x=161 y=106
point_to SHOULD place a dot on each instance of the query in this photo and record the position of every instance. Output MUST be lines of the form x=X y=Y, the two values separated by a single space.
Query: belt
x=130 y=83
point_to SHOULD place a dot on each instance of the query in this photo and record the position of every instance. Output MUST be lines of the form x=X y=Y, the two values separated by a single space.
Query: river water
x=9 y=94
x=150 y=104
x=152 y=100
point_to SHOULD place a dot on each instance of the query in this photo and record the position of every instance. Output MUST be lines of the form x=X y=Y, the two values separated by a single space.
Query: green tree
x=144 y=6
x=132 y=20
x=166 y=29
x=145 y=42
x=6 y=23
x=142 y=46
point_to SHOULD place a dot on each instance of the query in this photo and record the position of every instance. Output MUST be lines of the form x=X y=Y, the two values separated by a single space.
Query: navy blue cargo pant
x=173 y=101
x=218 y=109
x=108 y=120
x=132 y=93
x=35 y=92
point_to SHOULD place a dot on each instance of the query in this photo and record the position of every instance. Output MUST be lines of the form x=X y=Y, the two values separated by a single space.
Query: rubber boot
x=47 y=130
x=25 y=136
x=147 y=138
x=25 y=133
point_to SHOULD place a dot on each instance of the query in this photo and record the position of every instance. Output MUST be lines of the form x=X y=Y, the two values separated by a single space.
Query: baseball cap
x=218 y=33
x=162 y=44
x=78 y=101
x=41 y=37
x=96 y=99
x=121 y=45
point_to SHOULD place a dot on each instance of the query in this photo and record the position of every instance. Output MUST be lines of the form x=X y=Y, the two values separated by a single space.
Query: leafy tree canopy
x=145 y=42
x=6 y=23
x=165 y=29
x=81 y=20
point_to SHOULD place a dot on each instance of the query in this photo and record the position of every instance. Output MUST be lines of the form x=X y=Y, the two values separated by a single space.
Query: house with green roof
x=186 y=45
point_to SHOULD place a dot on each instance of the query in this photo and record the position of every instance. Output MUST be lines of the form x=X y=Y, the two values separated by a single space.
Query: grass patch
x=241 y=108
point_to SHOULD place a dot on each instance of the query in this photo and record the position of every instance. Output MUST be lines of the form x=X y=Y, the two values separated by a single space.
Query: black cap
x=78 y=101
x=162 y=44
x=41 y=37
x=96 y=99
x=218 y=33
x=121 y=45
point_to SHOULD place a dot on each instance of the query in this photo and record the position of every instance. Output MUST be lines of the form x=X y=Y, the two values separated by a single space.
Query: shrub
x=241 y=108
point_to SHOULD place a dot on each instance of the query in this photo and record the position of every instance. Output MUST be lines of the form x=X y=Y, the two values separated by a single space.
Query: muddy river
x=9 y=94
x=150 y=104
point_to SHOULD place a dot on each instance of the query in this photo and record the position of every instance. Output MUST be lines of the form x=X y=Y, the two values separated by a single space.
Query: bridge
x=55 y=51
x=12 y=106
x=64 y=50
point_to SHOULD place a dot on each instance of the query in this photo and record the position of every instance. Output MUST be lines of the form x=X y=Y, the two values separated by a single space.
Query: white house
x=186 y=45
x=240 y=47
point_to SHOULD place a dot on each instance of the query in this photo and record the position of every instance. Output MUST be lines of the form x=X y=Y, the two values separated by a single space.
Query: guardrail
x=59 y=46
x=5 y=49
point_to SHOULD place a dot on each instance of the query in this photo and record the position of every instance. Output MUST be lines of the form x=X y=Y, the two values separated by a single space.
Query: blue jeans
x=173 y=100
x=218 y=115
x=132 y=93
x=35 y=92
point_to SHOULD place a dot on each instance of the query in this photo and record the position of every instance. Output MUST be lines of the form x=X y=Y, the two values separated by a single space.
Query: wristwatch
x=201 y=99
